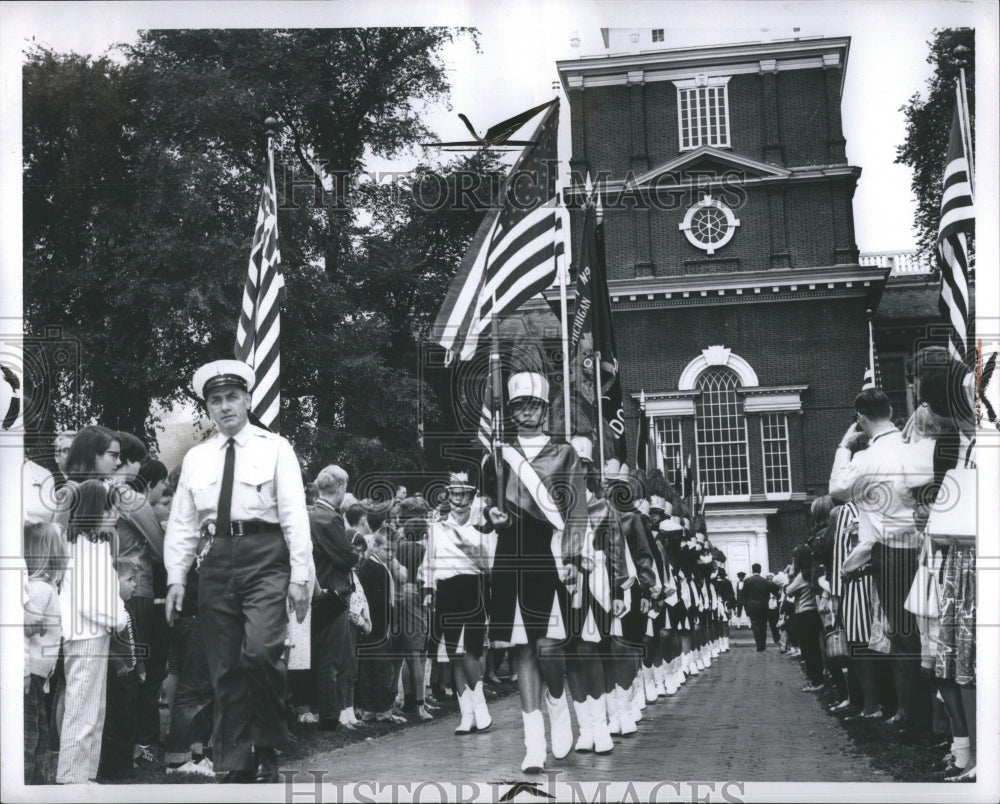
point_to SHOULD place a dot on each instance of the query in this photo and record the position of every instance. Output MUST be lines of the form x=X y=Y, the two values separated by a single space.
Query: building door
x=737 y=552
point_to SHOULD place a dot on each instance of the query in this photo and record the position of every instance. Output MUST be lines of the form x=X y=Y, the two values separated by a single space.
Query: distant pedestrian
x=757 y=591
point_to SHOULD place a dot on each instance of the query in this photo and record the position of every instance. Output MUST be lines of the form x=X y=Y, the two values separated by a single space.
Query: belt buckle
x=237 y=528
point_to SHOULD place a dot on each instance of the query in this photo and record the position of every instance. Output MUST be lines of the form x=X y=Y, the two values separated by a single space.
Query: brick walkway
x=744 y=719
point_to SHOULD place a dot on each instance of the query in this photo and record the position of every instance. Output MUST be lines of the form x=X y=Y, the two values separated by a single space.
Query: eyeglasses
x=112 y=453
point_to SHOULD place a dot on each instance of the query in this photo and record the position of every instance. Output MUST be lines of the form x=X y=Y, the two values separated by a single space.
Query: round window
x=709 y=224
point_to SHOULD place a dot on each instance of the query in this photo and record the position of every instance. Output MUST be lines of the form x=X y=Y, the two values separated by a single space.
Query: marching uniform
x=249 y=555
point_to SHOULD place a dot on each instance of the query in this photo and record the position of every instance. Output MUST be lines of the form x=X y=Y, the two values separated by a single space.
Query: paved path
x=744 y=719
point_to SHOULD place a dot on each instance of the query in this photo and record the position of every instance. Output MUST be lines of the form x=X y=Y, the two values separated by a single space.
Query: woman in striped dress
x=853 y=605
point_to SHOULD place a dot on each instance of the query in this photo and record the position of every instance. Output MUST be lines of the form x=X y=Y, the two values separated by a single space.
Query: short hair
x=90 y=442
x=331 y=478
x=126 y=565
x=358 y=540
x=755 y=567
x=354 y=513
x=873 y=403
x=377 y=515
x=132 y=448
x=942 y=381
x=70 y=434
x=150 y=473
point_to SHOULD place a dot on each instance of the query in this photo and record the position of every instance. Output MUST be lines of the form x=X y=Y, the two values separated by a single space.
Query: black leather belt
x=253 y=527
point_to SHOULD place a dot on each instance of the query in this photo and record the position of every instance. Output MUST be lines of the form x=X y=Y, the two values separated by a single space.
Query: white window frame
x=673 y=422
x=787 y=493
x=746 y=450
x=699 y=89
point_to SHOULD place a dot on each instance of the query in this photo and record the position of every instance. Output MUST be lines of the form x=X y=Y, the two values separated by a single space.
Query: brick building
x=739 y=302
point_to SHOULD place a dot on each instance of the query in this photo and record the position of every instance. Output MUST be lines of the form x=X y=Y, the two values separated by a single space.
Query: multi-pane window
x=668 y=440
x=703 y=112
x=893 y=370
x=723 y=465
x=777 y=465
x=657 y=34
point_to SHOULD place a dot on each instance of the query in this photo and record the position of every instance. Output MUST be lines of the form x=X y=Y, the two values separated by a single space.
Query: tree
x=141 y=184
x=928 y=123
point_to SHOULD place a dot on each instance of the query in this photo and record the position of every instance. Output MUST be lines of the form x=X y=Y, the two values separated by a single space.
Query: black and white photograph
x=500 y=402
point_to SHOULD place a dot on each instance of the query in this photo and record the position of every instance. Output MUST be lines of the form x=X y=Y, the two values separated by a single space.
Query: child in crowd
x=92 y=610
x=45 y=556
x=124 y=675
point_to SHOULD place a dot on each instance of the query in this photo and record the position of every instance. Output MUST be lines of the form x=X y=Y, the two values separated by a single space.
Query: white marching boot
x=706 y=656
x=465 y=706
x=661 y=690
x=614 y=722
x=725 y=644
x=603 y=744
x=694 y=663
x=636 y=699
x=620 y=703
x=716 y=650
x=585 y=742
x=682 y=673
x=480 y=711
x=669 y=679
x=534 y=742
x=649 y=685
x=560 y=724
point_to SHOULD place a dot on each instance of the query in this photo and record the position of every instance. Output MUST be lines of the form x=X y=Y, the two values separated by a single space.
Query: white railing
x=901 y=262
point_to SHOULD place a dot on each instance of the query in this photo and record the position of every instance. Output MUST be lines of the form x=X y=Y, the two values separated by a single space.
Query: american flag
x=957 y=224
x=873 y=375
x=260 y=322
x=513 y=254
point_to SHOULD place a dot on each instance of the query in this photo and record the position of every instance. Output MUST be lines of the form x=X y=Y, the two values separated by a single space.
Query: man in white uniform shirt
x=880 y=481
x=240 y=510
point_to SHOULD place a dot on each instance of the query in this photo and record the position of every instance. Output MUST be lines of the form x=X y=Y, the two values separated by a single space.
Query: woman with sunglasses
x=456 y=574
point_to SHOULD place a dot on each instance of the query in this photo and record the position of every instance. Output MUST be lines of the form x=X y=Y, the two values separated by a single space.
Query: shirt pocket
x=204 y=486
x=256 y=489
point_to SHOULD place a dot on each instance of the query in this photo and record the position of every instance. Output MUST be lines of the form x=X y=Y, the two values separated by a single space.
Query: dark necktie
x=225 y=507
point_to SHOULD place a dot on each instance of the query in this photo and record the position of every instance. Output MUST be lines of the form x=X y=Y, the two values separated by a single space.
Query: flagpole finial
x=271 y=126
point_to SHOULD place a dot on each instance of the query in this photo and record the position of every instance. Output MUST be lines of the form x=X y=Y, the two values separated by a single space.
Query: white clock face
x=709 y=225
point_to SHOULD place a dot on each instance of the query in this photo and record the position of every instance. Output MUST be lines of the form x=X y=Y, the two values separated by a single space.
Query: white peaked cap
x=220 y=373
x=527 y=385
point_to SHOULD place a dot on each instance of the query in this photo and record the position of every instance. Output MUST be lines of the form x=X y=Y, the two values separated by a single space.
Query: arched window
x=721 y=434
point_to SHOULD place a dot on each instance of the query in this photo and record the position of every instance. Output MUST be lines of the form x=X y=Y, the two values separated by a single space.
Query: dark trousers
x=193 y=696
x=772 y=623
x=808 y=629
x=37 y=757
x=242 y=594
x=758 y=623
x=377 y=674
x=151 y=639
x=118 y=737
x=332 y=654
x=894 y=569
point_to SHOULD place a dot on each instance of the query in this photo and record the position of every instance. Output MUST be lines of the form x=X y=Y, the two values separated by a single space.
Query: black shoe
x=236 y=777
x=267 y=766
x=921 y=740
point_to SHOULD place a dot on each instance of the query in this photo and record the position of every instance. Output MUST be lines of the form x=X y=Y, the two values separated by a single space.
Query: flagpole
x=561 y=272
x=966 y=127
x=496 y=388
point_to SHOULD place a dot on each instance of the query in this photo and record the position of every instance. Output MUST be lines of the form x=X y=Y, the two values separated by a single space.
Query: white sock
x=961 y=750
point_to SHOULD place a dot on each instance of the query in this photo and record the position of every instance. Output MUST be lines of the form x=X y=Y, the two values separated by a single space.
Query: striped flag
x=957 y=225
x=260 y=322
x=873 y=375
x=513 y=254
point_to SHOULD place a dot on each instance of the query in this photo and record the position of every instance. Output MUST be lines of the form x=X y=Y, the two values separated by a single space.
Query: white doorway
x=742 y=535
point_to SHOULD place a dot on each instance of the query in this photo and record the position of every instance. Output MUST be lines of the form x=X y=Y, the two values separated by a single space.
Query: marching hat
x=459 y=481
x=670 y=525
x=527 y=385
x=222 y=372
x=657 y=502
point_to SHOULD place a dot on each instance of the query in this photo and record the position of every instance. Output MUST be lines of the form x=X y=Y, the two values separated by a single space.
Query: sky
x=521 y=41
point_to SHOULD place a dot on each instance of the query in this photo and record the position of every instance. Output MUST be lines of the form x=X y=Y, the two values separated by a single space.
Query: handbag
x=879 y=641
x=922 y=599
x=837 y=652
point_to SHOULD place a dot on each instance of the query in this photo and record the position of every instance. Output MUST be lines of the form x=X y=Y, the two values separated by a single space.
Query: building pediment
x=709 y=163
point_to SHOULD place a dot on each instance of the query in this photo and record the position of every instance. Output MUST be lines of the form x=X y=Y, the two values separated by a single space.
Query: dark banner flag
x=591 y=331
